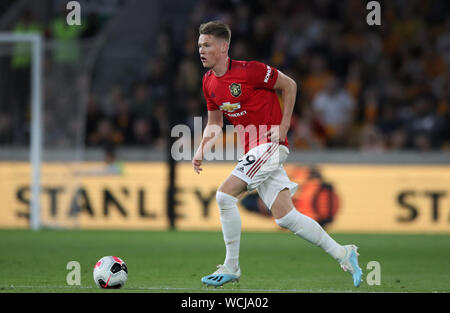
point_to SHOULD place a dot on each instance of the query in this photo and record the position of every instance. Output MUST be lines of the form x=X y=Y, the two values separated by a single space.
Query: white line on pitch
x=12 y=287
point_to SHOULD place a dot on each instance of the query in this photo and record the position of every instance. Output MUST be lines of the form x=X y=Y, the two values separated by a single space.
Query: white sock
x=308 y=229
x=231 y=228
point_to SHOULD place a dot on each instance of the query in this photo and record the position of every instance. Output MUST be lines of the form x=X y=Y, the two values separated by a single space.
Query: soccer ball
x=110 y=272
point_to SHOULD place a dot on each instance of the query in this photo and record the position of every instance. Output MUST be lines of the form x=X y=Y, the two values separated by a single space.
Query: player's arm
x=288 y=88
x=212 y=131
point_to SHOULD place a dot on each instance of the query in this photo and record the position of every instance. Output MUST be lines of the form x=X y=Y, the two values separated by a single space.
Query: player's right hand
x=197 y=164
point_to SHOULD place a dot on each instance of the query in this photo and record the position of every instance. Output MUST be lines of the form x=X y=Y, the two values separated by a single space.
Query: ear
x=224 y=47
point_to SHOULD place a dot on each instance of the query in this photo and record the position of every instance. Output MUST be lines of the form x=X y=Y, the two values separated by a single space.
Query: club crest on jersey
x=235 y=89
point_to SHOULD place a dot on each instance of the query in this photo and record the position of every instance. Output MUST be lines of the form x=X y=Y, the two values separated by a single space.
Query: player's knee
x=280 y=212
x=302 y=226
x=286 y=221
x=225 y=201
x=282 y=205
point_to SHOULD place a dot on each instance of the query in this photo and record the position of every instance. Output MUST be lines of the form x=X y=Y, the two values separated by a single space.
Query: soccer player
x=245 y=92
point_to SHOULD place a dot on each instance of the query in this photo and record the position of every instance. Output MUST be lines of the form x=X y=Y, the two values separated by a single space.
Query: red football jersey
x=246 y=97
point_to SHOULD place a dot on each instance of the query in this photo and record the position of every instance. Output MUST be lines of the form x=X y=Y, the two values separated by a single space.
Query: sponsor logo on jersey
x=269 y=70
x=235 y=89
x=237 y=114
x=230 y=107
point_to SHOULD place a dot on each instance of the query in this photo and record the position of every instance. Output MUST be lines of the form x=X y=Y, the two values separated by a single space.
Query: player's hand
x=277 y=134
x=197 y=164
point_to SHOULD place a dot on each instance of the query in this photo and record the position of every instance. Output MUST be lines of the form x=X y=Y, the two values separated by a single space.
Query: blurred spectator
x=27 y=24
x=242 y=26
x=93 y=116
x=109 y=102
x=369 y=106
x=398 y=140
x=66 y=37
x=160 y=125
x=105 y=134
x=308 y=132
x=391 y=128
x=192 y=107
x=142 y=104
x=371 y=140
x=240 y=50
x=123 y=120
x=443 y=43
x=263 y=35
x=5 y=129
x=425 y=128
x=334 y=108
x=318 y=77
x=142 y=135
x=188 y=79
x=353 y=80
x=154 y=77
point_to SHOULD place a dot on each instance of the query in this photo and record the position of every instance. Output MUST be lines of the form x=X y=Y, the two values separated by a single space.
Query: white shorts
x=262 y=169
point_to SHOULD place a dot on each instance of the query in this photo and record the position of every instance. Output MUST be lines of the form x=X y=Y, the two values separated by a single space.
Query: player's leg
x=227 y=198
x=252 y=170
x=233 y=186
x=287 y=216
x=305 y=227
x=227 y=195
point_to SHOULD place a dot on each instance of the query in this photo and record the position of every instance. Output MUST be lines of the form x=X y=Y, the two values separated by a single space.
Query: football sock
x=231 y=228
x=308 y=229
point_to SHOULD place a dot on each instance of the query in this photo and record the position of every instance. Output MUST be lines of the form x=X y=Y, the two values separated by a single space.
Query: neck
x=221 y=67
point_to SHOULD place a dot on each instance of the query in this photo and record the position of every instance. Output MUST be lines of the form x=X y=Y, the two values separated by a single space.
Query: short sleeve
x=261 y=75
x=210 y=105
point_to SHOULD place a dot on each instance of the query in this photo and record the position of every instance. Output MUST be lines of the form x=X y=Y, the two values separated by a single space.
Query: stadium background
x=369 y=138
x=368 y=95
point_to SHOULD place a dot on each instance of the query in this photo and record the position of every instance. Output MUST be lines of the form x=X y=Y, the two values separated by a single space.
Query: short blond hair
x=217 y=29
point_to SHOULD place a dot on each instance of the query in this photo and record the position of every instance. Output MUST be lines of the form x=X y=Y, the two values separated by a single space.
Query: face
x=211 y=49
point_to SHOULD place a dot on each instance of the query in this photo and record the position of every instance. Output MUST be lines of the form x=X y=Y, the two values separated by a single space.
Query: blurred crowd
x=371 y=88
x=62 y=55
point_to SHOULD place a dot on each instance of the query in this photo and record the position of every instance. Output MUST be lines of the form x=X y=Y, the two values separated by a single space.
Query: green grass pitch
x=174 y=261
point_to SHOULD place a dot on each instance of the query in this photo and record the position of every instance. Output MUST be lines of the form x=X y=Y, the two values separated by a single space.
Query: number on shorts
x=250 y=159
